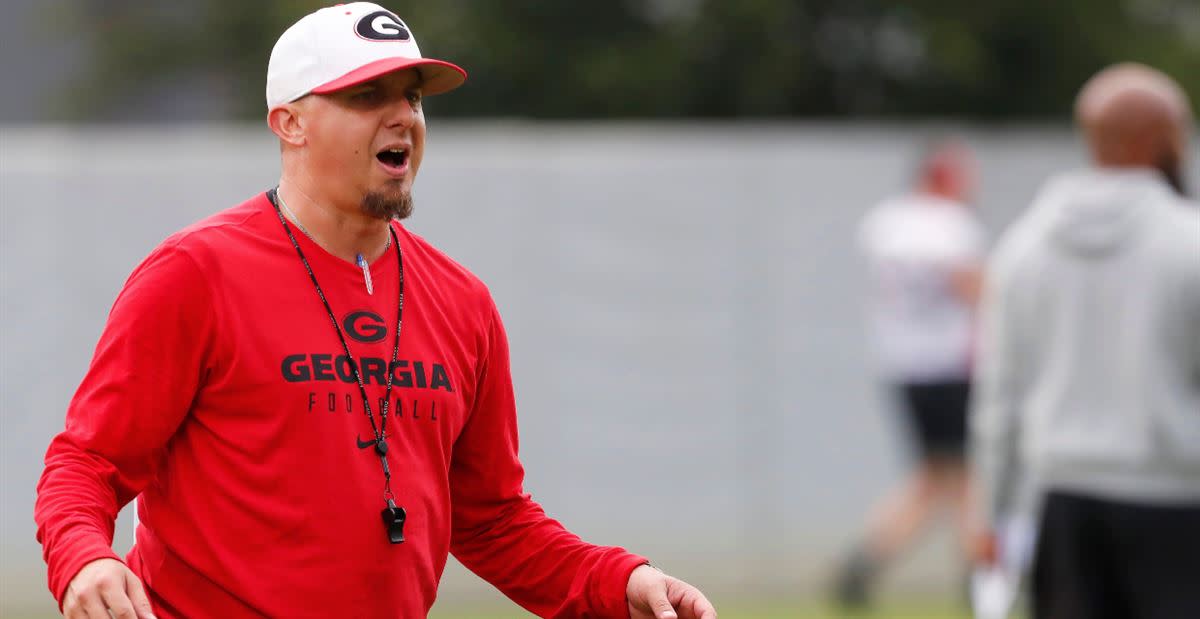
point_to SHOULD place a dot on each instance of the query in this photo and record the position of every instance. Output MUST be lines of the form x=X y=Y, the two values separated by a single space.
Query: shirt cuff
x=610 y=599
x=71 y=557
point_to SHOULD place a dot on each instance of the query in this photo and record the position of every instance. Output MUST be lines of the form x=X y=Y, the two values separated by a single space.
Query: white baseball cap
x=340 y=46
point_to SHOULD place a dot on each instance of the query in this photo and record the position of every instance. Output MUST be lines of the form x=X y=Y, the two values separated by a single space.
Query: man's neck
x=344 y=232
x=939 y=193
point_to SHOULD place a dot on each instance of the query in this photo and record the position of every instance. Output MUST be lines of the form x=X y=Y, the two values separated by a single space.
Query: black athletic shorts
x=1100 y=559
x=937 y=418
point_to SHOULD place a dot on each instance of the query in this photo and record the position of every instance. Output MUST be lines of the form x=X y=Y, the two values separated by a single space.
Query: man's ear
x=286 y=121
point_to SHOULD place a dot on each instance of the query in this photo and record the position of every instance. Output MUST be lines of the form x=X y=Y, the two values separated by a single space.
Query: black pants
x=937 y=415
x=1099 y=559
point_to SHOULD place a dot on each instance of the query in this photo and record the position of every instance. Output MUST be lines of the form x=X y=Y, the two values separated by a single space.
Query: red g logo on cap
x=381 y=26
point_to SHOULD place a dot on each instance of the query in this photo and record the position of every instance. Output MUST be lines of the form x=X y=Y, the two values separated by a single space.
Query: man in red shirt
x=312 y=404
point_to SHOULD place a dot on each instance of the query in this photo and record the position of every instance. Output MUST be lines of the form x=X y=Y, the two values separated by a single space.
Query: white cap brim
x=437 y=76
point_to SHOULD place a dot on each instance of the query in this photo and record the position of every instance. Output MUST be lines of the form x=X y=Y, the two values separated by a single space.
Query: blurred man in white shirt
x=925 y=252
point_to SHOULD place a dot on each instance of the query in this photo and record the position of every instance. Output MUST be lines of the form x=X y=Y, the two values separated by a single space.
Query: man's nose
x=402 y=112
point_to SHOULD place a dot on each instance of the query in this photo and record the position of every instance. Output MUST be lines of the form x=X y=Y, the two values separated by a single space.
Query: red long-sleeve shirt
x=220 y=394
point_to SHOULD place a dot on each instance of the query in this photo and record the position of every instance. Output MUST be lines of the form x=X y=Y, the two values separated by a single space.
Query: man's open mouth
x=393 y=157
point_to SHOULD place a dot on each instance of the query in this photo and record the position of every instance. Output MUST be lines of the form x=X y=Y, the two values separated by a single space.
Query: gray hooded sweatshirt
x=1088 y=377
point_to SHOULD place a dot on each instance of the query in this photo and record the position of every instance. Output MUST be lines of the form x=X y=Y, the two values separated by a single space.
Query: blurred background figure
x=1089 y=372
x=925 y=251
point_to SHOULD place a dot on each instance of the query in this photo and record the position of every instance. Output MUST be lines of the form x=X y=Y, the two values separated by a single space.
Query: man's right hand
x=104 y=585
x=984 y=548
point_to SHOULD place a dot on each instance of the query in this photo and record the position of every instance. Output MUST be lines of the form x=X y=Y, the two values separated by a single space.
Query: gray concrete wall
x=683 y=303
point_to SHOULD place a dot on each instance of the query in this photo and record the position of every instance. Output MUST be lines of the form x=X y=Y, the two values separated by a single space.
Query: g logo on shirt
x=382 y=26
x=363 y=326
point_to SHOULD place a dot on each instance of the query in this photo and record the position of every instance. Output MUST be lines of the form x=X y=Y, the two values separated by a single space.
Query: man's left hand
x=654 y=595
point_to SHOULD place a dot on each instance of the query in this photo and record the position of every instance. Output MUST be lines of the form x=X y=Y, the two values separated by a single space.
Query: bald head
x=1134 y=116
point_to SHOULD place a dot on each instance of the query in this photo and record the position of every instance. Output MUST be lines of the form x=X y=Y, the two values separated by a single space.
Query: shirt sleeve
x=506 y=538
x=866 y=235
x=148 y=364
x=974 y=239
x=997 y=394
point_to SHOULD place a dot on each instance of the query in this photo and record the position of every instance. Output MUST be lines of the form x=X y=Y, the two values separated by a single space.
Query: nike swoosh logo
x=364 y=444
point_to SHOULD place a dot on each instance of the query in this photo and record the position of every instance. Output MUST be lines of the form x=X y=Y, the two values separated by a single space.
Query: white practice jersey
x=915 y=245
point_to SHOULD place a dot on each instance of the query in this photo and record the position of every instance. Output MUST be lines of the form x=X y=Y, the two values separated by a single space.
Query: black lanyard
x=393 y=516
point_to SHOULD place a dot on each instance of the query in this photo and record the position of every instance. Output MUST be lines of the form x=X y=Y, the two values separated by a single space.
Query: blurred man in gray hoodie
x=1088 y=379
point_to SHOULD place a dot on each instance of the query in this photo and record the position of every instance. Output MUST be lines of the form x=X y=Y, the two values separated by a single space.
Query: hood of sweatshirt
x=1100 y=212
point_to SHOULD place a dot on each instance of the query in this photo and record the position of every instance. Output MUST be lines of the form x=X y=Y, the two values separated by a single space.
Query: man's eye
x=414 y=97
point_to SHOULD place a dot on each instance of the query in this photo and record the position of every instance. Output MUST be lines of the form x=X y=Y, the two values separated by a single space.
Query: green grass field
x=911 y=611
